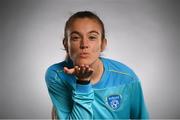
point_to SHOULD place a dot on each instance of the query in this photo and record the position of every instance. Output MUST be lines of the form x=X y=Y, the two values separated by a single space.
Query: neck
x=98 y=71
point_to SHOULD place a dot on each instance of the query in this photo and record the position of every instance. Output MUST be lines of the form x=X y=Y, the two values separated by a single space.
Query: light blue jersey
x=118 y=95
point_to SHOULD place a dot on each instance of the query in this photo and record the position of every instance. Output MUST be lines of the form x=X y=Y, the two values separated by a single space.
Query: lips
x=84 y=55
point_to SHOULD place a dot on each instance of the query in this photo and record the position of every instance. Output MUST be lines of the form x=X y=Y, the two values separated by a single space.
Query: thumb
x=69 y=71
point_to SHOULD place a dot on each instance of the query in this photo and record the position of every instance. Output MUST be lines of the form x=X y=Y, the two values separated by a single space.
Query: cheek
x=73 y=50
x=95 y=54
x=96 y=49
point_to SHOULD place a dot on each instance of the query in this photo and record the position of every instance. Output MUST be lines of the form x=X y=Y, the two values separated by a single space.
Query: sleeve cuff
x=83 y=88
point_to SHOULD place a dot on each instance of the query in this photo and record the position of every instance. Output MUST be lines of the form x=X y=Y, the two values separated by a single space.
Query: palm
x=82 y=72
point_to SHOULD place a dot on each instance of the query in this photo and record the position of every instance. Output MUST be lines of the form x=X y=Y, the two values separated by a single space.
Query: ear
x=104 y=44
x=65 y=44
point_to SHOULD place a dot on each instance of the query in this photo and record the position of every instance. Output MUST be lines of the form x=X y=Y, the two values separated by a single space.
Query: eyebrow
x=94 y=32
x=76 y=32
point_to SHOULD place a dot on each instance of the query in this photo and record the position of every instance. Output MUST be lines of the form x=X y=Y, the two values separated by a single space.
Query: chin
x=80 y=62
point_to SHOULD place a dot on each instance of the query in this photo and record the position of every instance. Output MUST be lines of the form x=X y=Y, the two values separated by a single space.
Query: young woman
x=87 y=86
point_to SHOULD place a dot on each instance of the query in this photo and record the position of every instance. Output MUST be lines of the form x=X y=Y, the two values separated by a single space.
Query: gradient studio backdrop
x=144 y=34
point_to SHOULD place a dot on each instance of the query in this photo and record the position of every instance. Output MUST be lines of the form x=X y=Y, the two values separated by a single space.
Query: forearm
x=83 y=97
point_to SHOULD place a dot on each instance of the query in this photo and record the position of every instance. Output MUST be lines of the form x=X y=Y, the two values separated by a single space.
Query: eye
x=75 y=38
x=92 y=37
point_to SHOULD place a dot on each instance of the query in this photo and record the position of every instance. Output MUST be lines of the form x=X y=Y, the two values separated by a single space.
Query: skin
x=84 y=45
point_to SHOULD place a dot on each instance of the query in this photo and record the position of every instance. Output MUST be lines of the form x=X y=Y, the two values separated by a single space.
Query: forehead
x=85 y=25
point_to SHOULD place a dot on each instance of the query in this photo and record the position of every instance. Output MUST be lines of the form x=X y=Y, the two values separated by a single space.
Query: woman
x=87 y=86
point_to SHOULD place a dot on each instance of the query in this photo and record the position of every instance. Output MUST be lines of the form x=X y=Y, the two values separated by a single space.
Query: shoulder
x=119 y=69
x=57 y=67
x=116 y=65
x=55 y=74
x=51 y=74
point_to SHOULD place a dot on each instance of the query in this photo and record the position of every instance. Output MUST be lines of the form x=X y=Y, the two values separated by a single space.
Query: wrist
x=83 y=82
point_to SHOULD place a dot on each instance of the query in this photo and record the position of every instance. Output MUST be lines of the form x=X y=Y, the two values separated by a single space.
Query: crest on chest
x=114 y=101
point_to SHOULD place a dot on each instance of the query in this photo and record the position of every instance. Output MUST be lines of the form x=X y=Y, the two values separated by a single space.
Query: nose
x=84 y=44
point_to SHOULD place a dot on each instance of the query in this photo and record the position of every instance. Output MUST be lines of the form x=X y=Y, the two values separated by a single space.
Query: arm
x=82 y=98
x=138 y=107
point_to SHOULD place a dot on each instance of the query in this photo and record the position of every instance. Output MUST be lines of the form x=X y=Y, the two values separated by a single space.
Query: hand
x=82 y=72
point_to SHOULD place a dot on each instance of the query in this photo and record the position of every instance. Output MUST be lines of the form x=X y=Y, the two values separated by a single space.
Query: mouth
x=84 y=55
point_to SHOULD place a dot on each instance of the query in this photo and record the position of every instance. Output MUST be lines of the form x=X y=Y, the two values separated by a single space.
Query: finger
x=76 y=70
x=87 y=68
x=82 y=69
x=90 y=71
x=69 y=71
